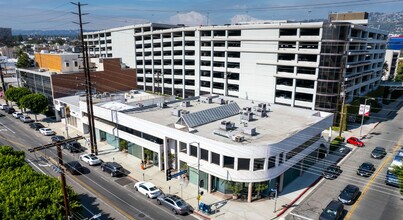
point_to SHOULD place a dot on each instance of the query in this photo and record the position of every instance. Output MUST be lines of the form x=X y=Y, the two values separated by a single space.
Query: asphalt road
x=377 y=200
x=99 y=193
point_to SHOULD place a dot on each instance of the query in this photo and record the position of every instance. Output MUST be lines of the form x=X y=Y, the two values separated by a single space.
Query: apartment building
x=237 y=140
x=290 y=63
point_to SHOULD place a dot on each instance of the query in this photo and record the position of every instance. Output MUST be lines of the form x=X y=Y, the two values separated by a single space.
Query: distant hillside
x=46 y=33
x=393 y=22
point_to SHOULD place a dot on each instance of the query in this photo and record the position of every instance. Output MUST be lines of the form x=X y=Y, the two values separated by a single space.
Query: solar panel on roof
x=209 y=115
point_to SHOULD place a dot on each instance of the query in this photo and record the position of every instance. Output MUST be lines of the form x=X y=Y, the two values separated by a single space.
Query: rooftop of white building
x=204 y=119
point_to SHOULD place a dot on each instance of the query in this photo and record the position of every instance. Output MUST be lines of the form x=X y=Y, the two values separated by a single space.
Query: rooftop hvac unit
x=247 y=109
x=246 y=116
x=176 y=112
x=220 y=101
x=184 y=112
x=134 y=91
x=205 y=99
x=106 y=94
x=250 y=131
x=227 y=125
x=262 y=106
x=185 y=104
x=260 y=112
x=238 y=138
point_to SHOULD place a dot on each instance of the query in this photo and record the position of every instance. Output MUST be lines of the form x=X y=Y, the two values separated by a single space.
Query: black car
x=366 y=169
x=349 y=194
x=74 y=167
x=57 y=138
x=342 y=151
x=73 y=147
x=332 y=172
x=36 y=125
x=113 y=168
x=9 y=110
x=333 y=211
x=2 y=115
x=378 y=153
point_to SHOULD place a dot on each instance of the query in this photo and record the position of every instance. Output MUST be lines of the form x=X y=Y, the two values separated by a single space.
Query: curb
x=298 y=197
x=202 y=215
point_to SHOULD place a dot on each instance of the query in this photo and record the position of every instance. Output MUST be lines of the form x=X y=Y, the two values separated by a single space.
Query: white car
x=91 y=159
x=148 y=189
x=3 y=106
x=46 y=131
x=17 y=114
x=26 y=119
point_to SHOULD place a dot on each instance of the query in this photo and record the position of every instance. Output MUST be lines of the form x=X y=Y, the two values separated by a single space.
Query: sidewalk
x=226 y=207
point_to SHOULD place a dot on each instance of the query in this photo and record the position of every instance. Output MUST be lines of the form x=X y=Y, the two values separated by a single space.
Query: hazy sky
x=56 y=14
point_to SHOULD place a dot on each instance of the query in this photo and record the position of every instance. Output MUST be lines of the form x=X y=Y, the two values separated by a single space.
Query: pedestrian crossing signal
x=169 y=174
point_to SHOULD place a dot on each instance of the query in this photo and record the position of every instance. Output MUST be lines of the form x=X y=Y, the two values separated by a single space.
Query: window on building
x=75 y=63
x=193 y=151
x=67 y=64
x=272 y=162
x=229 y=162
x=183 y=147
x=280 y=158
x=203 y=154
x=215 y=158
x=258 y=164
x=243 y=163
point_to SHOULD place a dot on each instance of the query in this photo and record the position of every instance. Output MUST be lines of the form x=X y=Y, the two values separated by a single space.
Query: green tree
x=385 y=68
x=16 y=93
x=26 y=194
x=398 y=171
x=36 y=102
x=399 y=73
x=24 y=61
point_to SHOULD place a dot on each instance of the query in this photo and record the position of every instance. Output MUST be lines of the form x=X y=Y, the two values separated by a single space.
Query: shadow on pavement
x=91 y=208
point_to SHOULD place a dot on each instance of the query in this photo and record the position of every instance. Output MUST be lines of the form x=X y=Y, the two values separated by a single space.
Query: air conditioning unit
x=238 y=138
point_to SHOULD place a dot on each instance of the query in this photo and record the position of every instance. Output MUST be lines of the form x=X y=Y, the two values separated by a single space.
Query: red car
x=355 y=141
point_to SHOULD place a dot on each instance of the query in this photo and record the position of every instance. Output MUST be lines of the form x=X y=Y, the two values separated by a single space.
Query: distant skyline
x=56 y=15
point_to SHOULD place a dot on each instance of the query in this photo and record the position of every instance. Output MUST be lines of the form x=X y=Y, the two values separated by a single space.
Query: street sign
x=364 y=112
x=178 y=173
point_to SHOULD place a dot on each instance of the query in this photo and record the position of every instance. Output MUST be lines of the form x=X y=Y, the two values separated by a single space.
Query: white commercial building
x=290 y=63
x=392 y=61
x=238 y=140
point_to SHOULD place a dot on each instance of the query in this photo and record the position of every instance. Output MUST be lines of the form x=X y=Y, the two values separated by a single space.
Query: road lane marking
x=300 y=216
x=348 y=216
x=7 y=128
x=29 y=161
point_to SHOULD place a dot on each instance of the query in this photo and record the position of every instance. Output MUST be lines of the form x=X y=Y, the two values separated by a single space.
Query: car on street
x=17 y=114
x=36 y=125
x=349 y=194
x=342 y=151
x=333 y=211
x=366 y=169
x=73 y=147
x=391 y=179
x=378 y=153
x=90 y=159
x=112 y=168
x=355 y=141
x=174 y=203
x=74 y=167
x=26 y=119
x=9 y=110
x=46 y=131
x=148 y=189
x=2 y=115
x=332 y=172
x=58 y=138
x=3 y=106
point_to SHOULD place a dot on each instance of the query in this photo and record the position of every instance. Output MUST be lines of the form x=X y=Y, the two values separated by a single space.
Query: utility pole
x=342 y=107
x=62 y=175
x=2 y=80
x=88 y=83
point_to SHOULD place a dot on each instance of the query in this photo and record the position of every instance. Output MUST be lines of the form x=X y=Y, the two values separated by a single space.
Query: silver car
x=174 y=203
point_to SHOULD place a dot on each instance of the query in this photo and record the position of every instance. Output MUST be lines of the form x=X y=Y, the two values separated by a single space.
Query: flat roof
x=280 y=122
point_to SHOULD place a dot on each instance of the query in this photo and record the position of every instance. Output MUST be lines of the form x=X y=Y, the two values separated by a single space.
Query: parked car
x=349 y=194
x=46 y=131
x=113 y=168
x=342 y=151
x=74 y=167
x=3 y=106
x=332 y=172
x=36 y=125
x=9 y=110
x=148 y=189
x=2 y=115
x=26 y=119
x=58 y=138
x=90 y=159
x=73 y=147
x=174 y=203
x=333 y=211
x=17 y=114
x=355 y=141
x=366 y=169
x=391 y=179
x=378 y=153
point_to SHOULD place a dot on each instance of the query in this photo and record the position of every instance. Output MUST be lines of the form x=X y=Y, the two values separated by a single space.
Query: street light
x=198 y=172
x=363 y=113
